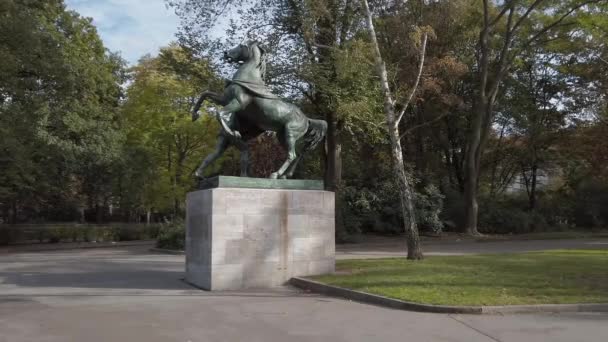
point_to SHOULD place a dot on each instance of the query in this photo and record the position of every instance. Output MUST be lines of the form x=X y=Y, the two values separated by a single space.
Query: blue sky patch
x=132 y=27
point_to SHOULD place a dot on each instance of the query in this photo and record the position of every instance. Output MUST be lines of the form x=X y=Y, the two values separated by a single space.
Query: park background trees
x=504 y=131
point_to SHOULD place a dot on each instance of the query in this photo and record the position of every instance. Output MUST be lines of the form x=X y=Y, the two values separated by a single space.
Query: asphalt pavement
x=131 y=294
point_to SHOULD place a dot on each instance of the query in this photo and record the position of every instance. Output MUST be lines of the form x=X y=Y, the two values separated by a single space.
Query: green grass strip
x=550 y=277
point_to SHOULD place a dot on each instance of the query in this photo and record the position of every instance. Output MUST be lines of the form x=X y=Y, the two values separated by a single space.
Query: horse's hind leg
x=220 y=147
x=292 y=167
x=290 y=146
x=291 y=136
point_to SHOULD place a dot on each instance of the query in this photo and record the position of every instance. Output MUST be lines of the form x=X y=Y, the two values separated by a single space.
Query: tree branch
x=525 y=15
x=409 y=130
x=420 y=67
x=557 y=22
x=502 y=13
x=503 y=61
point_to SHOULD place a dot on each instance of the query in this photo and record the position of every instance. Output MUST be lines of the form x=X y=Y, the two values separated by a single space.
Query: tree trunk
x=14 y=212
x=333 y=171
x=470 y=201
x=405 y=190
x=98 y=212
x=5 y=214
x=179 y=170
x=406 y=197
x=532 y=195
x=471 y=181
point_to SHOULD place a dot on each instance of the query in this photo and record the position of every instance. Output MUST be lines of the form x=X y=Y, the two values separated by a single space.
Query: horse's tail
x=317 y=129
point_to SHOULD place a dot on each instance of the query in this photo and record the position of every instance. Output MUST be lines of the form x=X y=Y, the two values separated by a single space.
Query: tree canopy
x=500 y=109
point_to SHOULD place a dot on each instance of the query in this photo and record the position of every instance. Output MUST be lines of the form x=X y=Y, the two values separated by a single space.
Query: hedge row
x=17 y=234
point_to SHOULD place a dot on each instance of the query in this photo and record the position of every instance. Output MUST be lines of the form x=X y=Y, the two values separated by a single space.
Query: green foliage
x=453 y=213
x=9 y=236
x=163 y=145
x=366 y=211
x=377 y=209
x=591 y=204
x=498 y=218
x=429 y=205
x=73 y=145
x=172 y=236
x=59 y=94
x=15 y=234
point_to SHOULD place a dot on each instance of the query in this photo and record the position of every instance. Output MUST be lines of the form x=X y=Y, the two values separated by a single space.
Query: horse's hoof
x=274 y=175
x=283 y=177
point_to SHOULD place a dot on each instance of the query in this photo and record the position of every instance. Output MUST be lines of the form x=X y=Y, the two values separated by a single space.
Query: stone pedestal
x=260 y=235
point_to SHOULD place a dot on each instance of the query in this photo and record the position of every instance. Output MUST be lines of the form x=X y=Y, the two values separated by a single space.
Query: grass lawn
x=560 y=276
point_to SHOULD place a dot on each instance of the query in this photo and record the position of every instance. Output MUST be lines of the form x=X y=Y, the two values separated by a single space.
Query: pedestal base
x=254 y=238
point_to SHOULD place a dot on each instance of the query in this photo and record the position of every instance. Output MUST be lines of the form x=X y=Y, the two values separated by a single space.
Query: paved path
x=383 y=247
x=130 y=294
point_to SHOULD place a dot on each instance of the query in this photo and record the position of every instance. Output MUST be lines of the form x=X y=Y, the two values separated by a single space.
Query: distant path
x=383 y=247
x=130 y=294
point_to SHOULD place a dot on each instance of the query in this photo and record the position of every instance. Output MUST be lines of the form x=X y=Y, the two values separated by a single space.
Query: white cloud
x=132 y=27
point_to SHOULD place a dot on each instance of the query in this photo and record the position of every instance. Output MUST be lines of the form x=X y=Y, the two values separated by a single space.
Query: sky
x=132 y=27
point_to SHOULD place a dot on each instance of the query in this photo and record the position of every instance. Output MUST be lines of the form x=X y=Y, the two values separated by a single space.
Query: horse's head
x=245 y=52
x=251 y=55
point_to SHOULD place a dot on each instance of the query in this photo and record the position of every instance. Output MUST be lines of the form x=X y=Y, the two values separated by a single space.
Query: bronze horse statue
x=250 y=109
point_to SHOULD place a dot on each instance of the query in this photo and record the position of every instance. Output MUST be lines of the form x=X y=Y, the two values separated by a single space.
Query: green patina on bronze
x=260 y=183
x=250 y=109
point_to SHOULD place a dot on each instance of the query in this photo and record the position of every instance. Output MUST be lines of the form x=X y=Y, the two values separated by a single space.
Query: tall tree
x=393 y=117
x=509 y=27
x=59 y=94
x=157 y=123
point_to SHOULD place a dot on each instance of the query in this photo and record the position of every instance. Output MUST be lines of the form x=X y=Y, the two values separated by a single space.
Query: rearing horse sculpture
x=249 y=109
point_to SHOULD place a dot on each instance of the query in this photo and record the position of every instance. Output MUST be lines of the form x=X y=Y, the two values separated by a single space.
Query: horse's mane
x=262 y=64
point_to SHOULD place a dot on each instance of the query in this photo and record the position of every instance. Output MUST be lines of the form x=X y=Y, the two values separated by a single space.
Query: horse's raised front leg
x=220 y=147
x=214 y=97
x=226 y=117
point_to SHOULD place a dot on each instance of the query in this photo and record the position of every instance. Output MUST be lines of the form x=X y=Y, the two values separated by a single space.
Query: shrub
x=172 y=236
x=429 y=204
x=557 y=210
x=126 y=233
x=591 y=204
x=378 y=209
x=151 y=231
x=89 y=234
x=453 y=213
x=364 y=210
x=54 y=235
x=68 y=232
x=9 y=235
x=502 y=217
